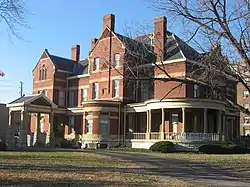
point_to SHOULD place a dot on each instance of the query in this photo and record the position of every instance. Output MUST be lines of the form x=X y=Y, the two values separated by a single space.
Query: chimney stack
x=93 y=42
x=160 y=25
x=109 y=21
x=75 y=53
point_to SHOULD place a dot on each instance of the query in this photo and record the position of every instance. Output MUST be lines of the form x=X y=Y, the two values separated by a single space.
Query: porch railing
x=178 y=136
x=155 y=135
x=137 y=136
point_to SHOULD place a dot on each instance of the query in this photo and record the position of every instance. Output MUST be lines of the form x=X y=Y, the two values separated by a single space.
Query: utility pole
x=21 y=89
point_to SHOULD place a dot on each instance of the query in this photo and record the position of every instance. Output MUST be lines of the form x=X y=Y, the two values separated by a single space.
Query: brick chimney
x=160 y=24
x=109 y=21
x=75 y=52
x=93 y=42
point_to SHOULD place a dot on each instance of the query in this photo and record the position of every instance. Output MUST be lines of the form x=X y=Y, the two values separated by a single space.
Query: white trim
x=170 y=61
x=78 y=76
x=175 y=103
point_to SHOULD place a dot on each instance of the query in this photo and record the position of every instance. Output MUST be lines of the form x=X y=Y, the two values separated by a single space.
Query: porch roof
x=34 y=102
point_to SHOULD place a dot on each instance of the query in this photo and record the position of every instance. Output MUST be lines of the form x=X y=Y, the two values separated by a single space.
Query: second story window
x=196 y=91
x=61 y=98
x=145 y=84
x=95 y=90
x=84 y=94
x=116 y=60
x=71 y=98
x=43 y=73
x=245 y=93
x=115 y=92
x=96 y=64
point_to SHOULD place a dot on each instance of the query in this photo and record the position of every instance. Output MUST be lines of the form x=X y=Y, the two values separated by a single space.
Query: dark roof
x=80 y=68
x=22 y=99
x=176 y=48
x=74 y=68
x=138 y=47
x=63 y=63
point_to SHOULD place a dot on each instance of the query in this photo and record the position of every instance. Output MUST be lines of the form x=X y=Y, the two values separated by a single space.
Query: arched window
x=40 y=74
x=45 y=74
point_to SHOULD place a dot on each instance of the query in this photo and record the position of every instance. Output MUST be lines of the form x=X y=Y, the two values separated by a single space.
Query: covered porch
x=189 y=120
x=22 y=113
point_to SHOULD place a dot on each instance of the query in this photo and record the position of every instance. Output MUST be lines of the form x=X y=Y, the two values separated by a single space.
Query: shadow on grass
x=194 y=172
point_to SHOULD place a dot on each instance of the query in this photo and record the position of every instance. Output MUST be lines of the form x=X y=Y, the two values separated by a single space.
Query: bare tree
x=12 y=15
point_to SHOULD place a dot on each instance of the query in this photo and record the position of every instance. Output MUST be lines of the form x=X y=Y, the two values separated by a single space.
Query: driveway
x=196 y=173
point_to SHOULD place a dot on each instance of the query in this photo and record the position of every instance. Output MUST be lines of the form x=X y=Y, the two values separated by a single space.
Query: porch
x=179 y=121
x=21 y=114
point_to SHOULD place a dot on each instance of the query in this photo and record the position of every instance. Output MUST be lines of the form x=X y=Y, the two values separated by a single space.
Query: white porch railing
x=155 y=136
x=178 y=136
x=137 y=136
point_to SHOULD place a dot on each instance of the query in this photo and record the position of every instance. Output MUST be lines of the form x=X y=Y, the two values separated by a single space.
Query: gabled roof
x=80 y=68
x=24 y=100
x=63 y=63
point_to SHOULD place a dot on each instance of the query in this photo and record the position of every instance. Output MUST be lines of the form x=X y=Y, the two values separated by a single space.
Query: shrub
x=223 y=149
x=67 y=144
x=163 y=147
x=3 y=146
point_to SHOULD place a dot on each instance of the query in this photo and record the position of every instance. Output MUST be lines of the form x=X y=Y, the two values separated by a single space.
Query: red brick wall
x=162 y=88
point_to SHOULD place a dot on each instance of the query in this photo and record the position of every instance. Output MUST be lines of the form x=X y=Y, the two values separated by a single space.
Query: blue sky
x=57 y=25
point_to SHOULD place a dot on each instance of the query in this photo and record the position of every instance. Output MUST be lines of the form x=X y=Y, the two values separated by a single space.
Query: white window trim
x=97 y=68
x=116 y=92
x=84 y=89
x=95 y=91
x=87 y=120
x=117 y=65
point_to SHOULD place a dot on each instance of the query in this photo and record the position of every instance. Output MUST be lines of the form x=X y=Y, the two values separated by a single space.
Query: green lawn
x=74 y=168
x=85 y=168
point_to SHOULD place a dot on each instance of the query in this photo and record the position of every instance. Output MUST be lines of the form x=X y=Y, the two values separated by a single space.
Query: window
x=115 y=88
x=39 y=92
x=43 y=73
x=196 y=91
x=40 y=74
x=71 y=98
x=116 y=60
x=95 y=90
x=145 y=90
x=246 y=119
x=84 y=94
x=104 y=124
x=246 y=106
x=89 y=126
x=61 y=98
x=245 y=93
x=71 y=124
x=96 y=64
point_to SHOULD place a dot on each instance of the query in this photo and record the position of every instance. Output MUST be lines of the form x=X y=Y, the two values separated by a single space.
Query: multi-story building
x=243 y=100
x=119 y=94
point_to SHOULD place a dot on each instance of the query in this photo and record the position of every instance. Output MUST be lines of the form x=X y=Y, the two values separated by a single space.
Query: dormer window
x=43 y=73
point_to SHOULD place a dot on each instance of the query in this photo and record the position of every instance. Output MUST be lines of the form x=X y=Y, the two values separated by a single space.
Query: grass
x=238 y=162
x=74 y=169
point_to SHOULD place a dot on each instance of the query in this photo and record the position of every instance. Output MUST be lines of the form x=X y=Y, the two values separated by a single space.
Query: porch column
x=183 y=120
x=23 y=129
x=124 y=126
x=148 y=124
x=51 y=130
x=36 y=133
x=205 y=121
x=10 y=136
x=162 y=124
x=224 y=126
x=218 y=116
